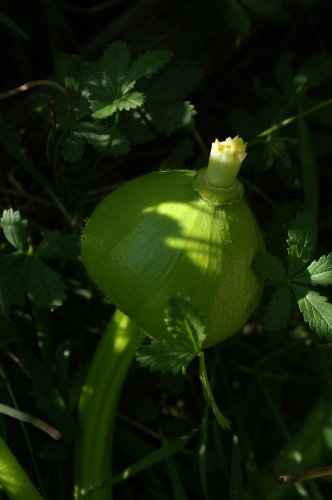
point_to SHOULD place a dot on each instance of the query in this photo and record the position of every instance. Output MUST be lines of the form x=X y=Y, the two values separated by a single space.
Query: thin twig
x=305 y=476
x=34 y=83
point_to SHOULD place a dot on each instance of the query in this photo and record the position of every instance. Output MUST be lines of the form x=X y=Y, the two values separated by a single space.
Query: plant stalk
x=13 y=478
x=98 y=406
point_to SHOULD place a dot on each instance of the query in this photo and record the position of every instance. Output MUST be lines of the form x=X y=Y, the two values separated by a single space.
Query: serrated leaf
x=104 y=105
x=111 y=88
x=147 y=64
x=278 y=309
x=316 y=69
x=186 y=336
x=164 y=357
x=73 y=147
x=104 y=139
x=115 y=61
x=13 y=272
x=44 y=286
x=176 y=82
x=316 y=310
x=185 y=324
x=269 y=267
x=14 y=228
x=302 y=237
x=169 y=117
x=56 y=246
x=318 y=273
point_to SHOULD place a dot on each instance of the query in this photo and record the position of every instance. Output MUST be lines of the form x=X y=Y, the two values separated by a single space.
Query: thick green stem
x=98 y=405
x=13 y=478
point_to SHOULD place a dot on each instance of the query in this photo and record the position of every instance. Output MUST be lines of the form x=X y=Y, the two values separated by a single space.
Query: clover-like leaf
x=111 y=85
x=316 y=310
x=164 y=357
x=321 y=270
x=15 y=228
x=302 y=237
x=186 y=336
x=44 y=286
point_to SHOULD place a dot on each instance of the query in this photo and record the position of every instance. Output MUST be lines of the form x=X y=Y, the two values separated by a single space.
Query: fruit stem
x=225 y=161
x=208 y=394
x=218 y=183
x=98 y=406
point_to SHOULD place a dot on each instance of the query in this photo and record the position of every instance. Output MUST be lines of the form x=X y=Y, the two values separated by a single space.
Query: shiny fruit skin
x=155 y=237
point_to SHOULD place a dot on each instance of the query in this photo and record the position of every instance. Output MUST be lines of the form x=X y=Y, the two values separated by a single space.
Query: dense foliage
x=94 y=95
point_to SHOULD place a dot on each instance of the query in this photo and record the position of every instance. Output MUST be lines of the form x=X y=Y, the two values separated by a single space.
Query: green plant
x=13 y=478
x=273 y=377
x=179 y=232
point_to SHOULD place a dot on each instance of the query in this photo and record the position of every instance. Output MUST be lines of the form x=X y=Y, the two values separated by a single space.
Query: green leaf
x=278 y=310
x=186 y=336
x=176 y=82
x=115 y=62
x=153 y=458
x=269 y=267
x=147 y=64
x=73 y=147
x=184 y=323
x=301 y=241
x=47 y=394
x=321 y=270
x=12 y=25
x=170 y=116
x=164 y=357
x=55 y=246
x=111 y=87
x=318 y=273
x=15 y=228
x=13 y=272
x=316 y=310
x=44 y=285
x=104 y=139
x=103 y=109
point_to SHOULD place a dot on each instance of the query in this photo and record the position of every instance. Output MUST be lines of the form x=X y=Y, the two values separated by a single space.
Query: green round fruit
x=156 y=236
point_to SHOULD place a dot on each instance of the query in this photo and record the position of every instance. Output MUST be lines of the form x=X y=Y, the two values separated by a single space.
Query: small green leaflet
x=278 y=309
x=111 y=88
x=24 y=274
x=302 y=237
x=14 y=229
x=269 y=267
x=317 y=273
x=187 y=334
x=317 y=312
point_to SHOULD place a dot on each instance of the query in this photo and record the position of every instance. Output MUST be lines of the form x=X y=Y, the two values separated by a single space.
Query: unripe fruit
x=181 y=232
